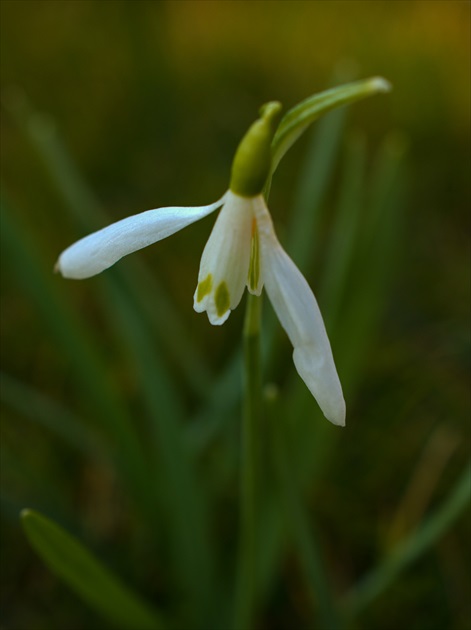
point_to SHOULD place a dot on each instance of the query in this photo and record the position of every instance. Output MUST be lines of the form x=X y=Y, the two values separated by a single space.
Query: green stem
x=246 y=587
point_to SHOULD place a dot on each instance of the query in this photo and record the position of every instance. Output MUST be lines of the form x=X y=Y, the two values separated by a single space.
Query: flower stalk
x=250 y=451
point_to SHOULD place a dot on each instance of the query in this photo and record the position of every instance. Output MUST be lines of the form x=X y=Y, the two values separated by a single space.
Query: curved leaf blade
x=298 y=119
x=411 y=547
x=93 y=583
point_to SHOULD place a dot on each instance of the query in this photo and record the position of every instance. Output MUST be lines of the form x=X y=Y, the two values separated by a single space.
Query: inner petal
x=254 y=280
x=225 y=262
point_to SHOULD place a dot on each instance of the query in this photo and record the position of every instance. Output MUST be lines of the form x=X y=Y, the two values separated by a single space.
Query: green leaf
x=345 y=232
x=412 y=547
x=373 y=263
x=136 y=283
x=302 y=529
x=87 y=365
x=50 y=414
x=92 y=582
x=141 y=312
x=298 y=119
x=21 y=481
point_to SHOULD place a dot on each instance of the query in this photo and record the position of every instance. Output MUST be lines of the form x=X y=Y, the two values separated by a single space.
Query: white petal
x=98 y=251
x=225 y=261
x=299 y=314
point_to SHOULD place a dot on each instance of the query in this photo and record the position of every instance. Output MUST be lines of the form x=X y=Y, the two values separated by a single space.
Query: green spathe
x=252 y=161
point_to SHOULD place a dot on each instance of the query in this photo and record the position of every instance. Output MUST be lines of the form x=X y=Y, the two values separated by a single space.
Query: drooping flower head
x=242 y=251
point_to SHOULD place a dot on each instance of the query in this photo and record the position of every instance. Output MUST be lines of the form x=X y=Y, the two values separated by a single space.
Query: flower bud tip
x=270 y=112
x=381 y=84
x=252 y=161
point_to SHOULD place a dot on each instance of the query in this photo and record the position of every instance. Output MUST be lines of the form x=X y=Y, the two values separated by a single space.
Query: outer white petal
x=98 y=251
x=299 y=314
x=225 y=261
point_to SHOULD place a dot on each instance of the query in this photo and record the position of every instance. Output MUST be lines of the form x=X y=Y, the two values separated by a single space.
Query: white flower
x=242 y=251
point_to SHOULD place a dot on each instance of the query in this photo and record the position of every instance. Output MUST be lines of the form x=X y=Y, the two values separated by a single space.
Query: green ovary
x=222 y=299
x=204 y=287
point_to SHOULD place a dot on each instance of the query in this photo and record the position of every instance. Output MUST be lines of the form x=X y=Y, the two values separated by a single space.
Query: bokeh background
x=114 y=107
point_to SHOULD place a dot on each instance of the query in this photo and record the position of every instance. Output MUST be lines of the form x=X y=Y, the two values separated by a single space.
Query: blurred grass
x=95 y=585
x=145 y=102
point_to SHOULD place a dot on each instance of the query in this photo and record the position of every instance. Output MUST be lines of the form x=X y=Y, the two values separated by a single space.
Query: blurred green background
x=121 y=405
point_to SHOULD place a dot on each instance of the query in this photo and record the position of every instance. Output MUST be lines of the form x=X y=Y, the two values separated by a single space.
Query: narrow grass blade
x=217 y=411
x=303 y=533
x=158 y=390
x=298 y=119
x=89 y=369
x=167 y=325
x=39 y=408
x=181 y=493
x=140 y=309
x=273 y=541
x=91 y=581
x=21 y=479
x=373 y=266
x=141 y=287
x=412 y=547
x=345 y=232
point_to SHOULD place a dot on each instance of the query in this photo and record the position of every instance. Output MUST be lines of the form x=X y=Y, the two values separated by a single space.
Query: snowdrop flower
x=242 y=251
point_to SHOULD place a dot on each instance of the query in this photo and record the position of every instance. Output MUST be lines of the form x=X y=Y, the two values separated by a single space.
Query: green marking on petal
x=254 y=268
x=204 y=287
x=222 y=299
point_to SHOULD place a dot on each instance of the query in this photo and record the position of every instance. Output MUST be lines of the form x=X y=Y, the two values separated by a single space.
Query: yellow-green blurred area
x=113 y=107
